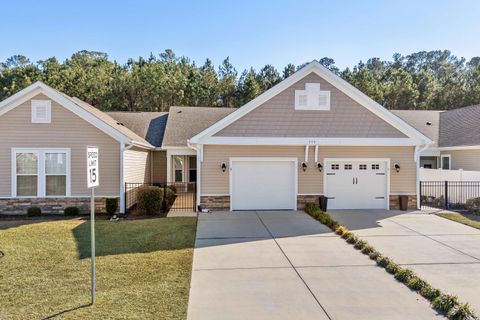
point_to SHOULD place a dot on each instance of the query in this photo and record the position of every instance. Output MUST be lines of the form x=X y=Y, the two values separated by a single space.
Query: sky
x=252 y=33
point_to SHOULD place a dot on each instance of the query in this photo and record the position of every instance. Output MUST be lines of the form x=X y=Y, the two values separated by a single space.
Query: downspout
x=199 y=149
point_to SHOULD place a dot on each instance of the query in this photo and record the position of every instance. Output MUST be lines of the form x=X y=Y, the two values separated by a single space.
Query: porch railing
x=185 y=200
x=450 y=195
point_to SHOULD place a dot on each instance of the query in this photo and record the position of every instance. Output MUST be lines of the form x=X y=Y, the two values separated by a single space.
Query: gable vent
x=41 y=111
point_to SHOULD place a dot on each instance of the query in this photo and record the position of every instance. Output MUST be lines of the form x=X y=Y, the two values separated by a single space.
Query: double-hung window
x=40 y=172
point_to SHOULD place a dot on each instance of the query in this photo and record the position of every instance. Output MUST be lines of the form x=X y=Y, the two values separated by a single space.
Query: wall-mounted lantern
x=319 y=166
x=397 y=167
x=223 y=165
x=304 y=166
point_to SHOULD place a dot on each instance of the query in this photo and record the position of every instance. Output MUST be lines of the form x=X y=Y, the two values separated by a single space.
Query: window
x=41 y=111
x=375 y=166
x=178 y=168
x=41 y=172
x=312 y=98
x=347 y=167
x=192 y=169
x=362 y=167
x=335 y=166
x=446 y=160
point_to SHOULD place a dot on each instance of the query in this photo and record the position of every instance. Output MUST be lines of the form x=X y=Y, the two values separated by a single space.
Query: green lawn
x=475 y=223
x=143 y=269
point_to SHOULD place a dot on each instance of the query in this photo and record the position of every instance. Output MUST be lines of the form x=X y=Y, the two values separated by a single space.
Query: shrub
x=445 y=302
x=311 y=207
x=341 y=230
x=383 y=261
x=392 y=267
x=111 y=205
x=417 y=284
x=360 y=244
x=404 y=275
x=473 y=205
x=71 y=211
x=34 y=212
x=169 y=196
x=149 y=199
x=368 y=249
x=461 y=311
x=346 y=235
x=429 y=292
x=351 y=238
x=374 y=254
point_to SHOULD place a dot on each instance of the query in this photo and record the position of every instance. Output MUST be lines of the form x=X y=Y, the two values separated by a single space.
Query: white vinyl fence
x=448 y=175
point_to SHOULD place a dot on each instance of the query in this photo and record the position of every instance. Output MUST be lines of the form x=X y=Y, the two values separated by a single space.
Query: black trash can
x=403 y=201
x=323 y=201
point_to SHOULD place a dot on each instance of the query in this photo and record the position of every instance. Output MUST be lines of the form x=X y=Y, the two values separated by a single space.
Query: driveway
x=443 y=252
x=285 y=265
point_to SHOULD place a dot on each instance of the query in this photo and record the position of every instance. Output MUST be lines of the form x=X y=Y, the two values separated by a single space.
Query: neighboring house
x=312 y=134
x=456 y=136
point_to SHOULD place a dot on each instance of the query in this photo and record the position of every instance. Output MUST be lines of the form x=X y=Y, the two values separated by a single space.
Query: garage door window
x=348 y=167
x=362 y=167
x=375 y=166
x=335 y=166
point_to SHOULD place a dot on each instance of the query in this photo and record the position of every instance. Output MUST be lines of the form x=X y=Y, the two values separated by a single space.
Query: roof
x=148 y=125
x=185 y=122
x=460 y=127
x=97 y=118
x=416 y=136
x=419 y=119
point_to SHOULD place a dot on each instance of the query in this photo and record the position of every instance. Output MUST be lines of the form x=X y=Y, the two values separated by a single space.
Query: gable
x=278 y=117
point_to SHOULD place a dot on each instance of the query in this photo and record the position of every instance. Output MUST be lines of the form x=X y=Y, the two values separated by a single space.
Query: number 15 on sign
x=92 y=182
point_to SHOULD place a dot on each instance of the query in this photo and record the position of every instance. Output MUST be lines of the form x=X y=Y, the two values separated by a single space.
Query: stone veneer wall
x=395 y=202
x=217 y=203
x=19 y=206
x=304 y=199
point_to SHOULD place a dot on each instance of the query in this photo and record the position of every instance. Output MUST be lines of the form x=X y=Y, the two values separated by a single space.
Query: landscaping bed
x=466 y=219
x=446 y=304
x=143 y=269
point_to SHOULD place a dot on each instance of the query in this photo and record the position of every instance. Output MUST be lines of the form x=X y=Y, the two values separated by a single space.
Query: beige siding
x=66 y=130
x=159 y=166
x=216 y=182
x=464 y=159
x=278 y=118
x=137 y=165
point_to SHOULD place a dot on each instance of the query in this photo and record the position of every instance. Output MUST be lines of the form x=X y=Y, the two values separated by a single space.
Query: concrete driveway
x=443 y=252
x=285 y=265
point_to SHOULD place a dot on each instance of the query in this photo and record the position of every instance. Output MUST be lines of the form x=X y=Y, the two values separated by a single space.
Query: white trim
x=182 y=151
x=122 y=178
x=459 y=148
x=214 y=195
x=41 y=175
x=316 y=154
x=306 y=153
x=278 y=141
x=41 y=88
x=402 y=194
x=387 y=168
x=449 y=156
x=336 y=81
x=310 y=194
x=47 y=104
x=286 y=159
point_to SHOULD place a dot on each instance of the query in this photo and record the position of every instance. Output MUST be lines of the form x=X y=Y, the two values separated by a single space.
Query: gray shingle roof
x=185 y=122
x=460 y=127
x=149 y=125
x=419 y=119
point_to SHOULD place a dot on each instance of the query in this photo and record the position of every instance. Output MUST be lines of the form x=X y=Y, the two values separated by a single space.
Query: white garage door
x=356 y=184
x=263 y=184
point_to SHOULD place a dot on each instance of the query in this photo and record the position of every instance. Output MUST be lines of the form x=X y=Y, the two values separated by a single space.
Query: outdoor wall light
x=304 y=166
x=397 y=167
x=223 y=166
x=319 y=166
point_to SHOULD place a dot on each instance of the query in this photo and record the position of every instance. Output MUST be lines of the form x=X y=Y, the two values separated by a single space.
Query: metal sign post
x=92 y=183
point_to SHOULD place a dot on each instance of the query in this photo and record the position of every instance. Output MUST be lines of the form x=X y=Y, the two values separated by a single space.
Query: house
x=312 y=134
x=456 y=136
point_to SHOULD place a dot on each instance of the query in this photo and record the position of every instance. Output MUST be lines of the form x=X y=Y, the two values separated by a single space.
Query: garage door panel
x=263 y=185
x=356 y=184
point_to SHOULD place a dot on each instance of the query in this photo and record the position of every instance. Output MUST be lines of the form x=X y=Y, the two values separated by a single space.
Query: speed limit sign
x=92 y=167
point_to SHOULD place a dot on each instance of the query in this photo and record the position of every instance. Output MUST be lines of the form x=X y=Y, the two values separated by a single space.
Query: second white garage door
x=356 y=184
x=263 y=183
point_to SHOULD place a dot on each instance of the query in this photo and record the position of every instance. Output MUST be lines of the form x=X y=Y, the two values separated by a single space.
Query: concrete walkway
x=443 y=252
x=285 y=265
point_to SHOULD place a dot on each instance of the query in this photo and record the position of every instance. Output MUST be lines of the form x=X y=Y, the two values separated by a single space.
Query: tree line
x=422 y=80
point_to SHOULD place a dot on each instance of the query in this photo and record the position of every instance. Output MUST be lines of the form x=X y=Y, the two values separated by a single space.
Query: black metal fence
x=451 y=195
x=185 y=195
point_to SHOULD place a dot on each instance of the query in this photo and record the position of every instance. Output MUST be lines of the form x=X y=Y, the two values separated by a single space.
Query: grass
x=143 y=269
x=457 y=217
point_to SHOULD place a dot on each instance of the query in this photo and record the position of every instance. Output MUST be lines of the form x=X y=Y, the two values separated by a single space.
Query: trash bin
x=403 y=201
x=323 y=203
